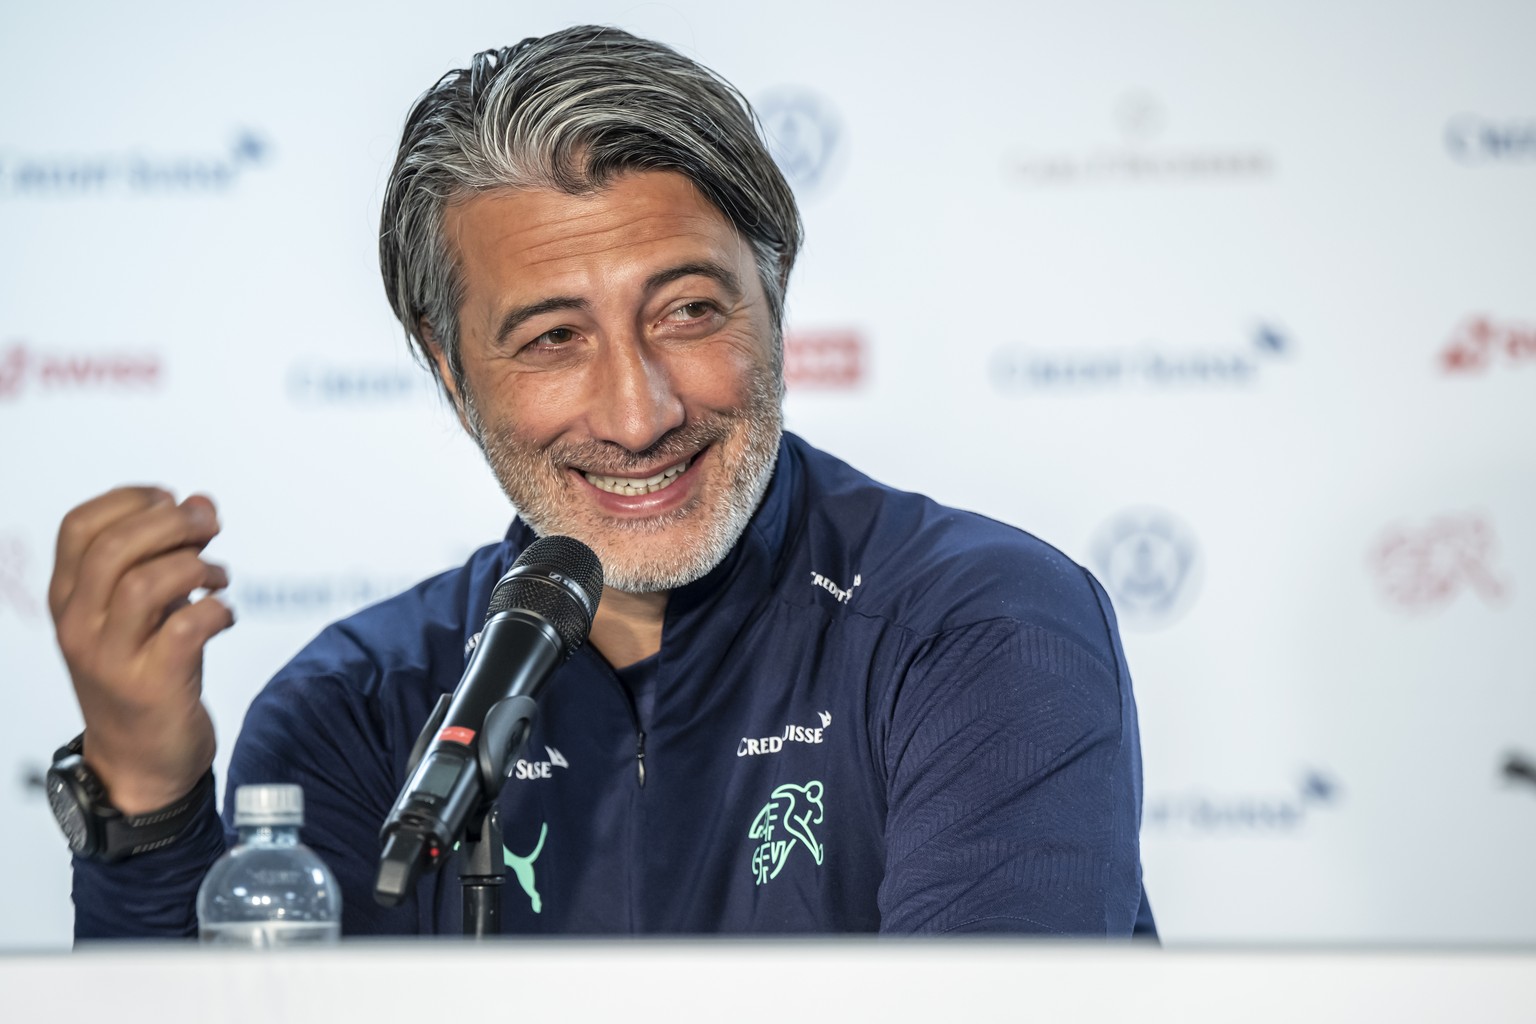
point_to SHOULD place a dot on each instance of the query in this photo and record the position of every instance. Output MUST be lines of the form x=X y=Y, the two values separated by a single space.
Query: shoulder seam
x=1109 y=635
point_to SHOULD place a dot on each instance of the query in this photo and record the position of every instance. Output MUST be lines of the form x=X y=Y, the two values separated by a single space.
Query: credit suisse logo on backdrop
x=1018 y=369
x=1149 y=561
x=1139 y=157
x=1224 y=814
x=1479 y=139
x=804 y=134
x=132 y=172
x=1481 y=343
x=328 y=594
x=320 y=384
x=1426 y=567
x=24 y=369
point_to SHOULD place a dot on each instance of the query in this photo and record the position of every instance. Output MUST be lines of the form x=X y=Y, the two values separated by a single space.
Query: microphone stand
x=482 y=875
x=484 y=868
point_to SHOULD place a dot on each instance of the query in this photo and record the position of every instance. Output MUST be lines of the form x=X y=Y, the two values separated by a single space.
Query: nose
x=635 y=401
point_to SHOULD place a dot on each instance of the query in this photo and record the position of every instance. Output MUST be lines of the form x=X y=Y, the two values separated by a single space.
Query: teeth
x=629 y=487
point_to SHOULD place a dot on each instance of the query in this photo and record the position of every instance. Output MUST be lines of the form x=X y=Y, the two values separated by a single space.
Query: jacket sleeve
x=153 y=895
x=323 y=734
x=1013 y=773
x=313 y=731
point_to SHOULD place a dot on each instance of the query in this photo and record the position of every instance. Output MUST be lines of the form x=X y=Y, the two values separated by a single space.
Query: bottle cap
x=269 y=804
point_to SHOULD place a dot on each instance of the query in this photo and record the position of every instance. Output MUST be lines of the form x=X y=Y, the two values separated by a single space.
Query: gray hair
x=569 y=112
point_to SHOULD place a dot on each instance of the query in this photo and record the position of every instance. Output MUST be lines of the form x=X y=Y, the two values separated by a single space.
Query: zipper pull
x=640 y=758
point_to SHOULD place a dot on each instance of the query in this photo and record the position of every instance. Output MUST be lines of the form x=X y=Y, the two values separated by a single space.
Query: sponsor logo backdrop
x=1233 y=305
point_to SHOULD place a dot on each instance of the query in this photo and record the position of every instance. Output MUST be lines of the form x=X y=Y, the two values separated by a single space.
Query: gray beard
x=530 y=478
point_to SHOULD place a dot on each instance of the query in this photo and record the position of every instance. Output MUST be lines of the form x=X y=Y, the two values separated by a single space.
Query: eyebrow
x=519 y=315
x=717 y=272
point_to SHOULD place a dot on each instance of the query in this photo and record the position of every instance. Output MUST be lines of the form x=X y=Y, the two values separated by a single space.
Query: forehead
x=530 y=239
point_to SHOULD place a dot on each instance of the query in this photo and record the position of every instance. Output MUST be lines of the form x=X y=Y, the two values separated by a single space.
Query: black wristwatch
x=98 y=831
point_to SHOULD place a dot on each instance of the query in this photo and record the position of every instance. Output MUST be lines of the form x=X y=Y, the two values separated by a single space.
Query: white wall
x=1233 y=303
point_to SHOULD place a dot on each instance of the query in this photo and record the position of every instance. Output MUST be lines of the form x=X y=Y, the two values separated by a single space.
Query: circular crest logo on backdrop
x=804 y=135
x=1149 y=561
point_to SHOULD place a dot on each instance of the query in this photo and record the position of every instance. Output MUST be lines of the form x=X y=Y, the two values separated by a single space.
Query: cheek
x=719 y=381
x=719 y=377
x=537 y=407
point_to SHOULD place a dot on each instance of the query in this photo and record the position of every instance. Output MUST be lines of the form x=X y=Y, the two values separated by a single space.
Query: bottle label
x=270 y=934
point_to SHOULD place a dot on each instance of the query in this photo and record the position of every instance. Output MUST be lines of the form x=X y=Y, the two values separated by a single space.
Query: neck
x=627 y=627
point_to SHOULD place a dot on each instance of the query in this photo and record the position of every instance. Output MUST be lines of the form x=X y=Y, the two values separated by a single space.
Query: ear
x=444 y=373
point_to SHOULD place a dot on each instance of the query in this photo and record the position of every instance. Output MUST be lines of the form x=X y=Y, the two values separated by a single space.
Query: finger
x=151 y=591
x=133 y=539
x=83 y=523
x=177 y=646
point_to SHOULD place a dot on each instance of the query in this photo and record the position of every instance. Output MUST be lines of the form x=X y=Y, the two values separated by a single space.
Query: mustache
x=613 y=459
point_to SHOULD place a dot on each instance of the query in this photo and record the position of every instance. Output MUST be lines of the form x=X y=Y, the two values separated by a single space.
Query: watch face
x=68 y=812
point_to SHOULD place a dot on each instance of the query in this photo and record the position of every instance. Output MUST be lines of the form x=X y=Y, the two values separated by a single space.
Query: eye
x=691 y=311
x=552 y=339
x=554 y=346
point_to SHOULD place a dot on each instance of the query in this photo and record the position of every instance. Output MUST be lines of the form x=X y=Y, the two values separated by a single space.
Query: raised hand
x=127 y=565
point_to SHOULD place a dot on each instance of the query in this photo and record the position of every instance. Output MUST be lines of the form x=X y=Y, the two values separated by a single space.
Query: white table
x=773 y=982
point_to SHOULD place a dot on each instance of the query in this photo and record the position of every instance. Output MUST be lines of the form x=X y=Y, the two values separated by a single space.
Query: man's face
x=619 y=368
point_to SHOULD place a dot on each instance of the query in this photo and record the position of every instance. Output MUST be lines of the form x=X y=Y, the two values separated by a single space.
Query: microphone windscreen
x=558 y=579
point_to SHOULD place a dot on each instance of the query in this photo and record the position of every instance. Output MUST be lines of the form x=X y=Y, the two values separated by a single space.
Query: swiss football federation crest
x=783 y=824
x=1150 y=564
x=803 y=133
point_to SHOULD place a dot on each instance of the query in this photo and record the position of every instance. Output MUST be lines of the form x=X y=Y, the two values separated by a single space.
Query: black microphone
x=540 y=613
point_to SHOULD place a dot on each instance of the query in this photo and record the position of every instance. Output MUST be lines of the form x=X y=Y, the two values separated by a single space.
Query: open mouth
x=630 y=487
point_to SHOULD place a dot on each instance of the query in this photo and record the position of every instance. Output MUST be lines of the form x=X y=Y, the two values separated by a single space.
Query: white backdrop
x=1236 y=304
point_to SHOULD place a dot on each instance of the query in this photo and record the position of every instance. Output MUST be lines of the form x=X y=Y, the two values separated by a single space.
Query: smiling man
x=810 y=702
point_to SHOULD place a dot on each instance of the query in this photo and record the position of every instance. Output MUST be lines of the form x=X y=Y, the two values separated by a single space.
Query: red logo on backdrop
x=824 y=359
x=22 y=367
x=1427 y=567
x=14 y=592
x=1480 y=343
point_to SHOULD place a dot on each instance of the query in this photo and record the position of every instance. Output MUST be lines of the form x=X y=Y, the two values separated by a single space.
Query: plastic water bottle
x=271 y=889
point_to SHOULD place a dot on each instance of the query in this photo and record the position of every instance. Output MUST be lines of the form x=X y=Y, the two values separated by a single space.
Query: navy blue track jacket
x=877 y=713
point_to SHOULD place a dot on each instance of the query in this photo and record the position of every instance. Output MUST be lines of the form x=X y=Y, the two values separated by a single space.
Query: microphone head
x=560 y=580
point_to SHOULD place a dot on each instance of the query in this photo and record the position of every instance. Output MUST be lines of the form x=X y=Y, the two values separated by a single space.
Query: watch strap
x=130 y=835
x=120 y=835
